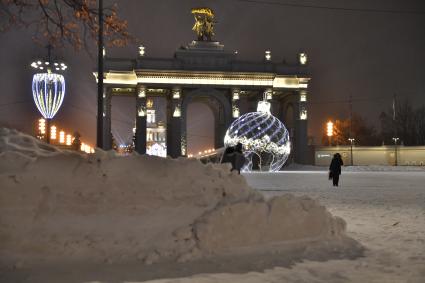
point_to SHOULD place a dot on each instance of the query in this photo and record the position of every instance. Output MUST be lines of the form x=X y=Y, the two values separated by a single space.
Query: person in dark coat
x=228 y=155
x=239 y=158
x=335 y=169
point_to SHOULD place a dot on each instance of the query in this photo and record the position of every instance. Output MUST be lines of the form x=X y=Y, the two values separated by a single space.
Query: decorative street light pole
x=395 y=150
x=351 y=150
x=329 y=131
x=100 y=102
x=48 y=89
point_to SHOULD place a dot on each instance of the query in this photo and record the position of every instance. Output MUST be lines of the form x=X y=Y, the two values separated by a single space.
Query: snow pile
x=61 y=205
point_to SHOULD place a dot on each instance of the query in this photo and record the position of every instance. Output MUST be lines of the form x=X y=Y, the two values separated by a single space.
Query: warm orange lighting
x=42 y=126
x=329 y=129
x=61 y=137
x=53 y=132
x=86 y=148
x=68 y=139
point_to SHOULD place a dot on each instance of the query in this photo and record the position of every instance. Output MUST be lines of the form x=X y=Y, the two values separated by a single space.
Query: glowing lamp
x=141 y=51
x=302 y=58
x=268 y=55
x=61 y=137
x=53 y=132
x=177 y=111
x=42 y=126
x=176 y=94
x=68 y=140
x=329 y=129
x=236 y=112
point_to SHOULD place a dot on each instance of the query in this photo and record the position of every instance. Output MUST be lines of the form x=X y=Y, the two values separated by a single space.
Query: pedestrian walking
x=239 y=158
x=335 y=169
x=228 y=155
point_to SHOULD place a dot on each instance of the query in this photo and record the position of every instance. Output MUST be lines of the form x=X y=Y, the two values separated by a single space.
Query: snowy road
x=385 y=211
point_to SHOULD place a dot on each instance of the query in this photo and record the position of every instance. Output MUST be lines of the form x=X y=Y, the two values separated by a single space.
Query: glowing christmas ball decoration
x=264 y=138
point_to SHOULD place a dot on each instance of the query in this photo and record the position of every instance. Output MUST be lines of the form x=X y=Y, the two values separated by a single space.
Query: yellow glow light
x=42 y=126
x=61 y=137
x=68 y=139
x=53 y=132
x=206 y=78
x=329 y=129
x=268 y=55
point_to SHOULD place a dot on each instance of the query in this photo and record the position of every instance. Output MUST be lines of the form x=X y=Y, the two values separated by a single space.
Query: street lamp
x=351 y=149
x=48 y=88
x=395 y=149
x=329 y=131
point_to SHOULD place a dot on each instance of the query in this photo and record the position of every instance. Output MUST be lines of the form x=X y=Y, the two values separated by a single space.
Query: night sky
x=370 y=55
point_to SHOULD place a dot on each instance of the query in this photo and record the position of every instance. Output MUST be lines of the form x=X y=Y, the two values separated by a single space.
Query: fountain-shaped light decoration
x=264 y=138
x=48 y=88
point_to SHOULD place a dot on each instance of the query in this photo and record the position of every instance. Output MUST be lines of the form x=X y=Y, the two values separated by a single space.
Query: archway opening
x=200 y=128
x=123 y=115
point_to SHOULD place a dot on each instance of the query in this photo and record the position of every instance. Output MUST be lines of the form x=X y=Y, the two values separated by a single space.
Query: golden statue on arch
x=204 y=23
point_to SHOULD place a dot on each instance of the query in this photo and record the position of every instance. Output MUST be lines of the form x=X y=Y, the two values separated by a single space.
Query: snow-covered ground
x=70 y=217
x=385 y=211
x=67 y=217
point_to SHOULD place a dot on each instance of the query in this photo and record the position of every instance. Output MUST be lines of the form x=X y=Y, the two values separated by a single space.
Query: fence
x=372 y=155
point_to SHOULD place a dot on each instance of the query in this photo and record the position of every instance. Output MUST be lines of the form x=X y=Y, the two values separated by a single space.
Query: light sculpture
x=264 y=138
x=48 y=89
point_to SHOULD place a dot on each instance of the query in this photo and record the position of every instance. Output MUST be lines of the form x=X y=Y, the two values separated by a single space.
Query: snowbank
x=60 y=205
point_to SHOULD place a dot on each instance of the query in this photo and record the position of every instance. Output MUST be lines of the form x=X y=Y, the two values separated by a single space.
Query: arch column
x=176 y=143
x=140 y=142
x=235 y=98
x=301 y=137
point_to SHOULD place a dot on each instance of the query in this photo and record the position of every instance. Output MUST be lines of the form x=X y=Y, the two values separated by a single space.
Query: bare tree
x=358 y=128
x=64 y=21
x=408 y=124
x=420 y=125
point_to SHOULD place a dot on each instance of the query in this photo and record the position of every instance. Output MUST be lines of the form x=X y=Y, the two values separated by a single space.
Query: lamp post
x=48 y=89
x=100 y=102
x=395 y=150
x=329 y=131
x=351 y=150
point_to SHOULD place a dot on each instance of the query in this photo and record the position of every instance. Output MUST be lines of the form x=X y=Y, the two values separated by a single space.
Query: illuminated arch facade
x=206 y=71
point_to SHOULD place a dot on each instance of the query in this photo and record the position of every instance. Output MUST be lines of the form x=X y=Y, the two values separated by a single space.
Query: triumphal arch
x=204 y=71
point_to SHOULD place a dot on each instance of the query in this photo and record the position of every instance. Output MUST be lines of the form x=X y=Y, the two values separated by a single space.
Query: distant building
x=156 y=132
x=203 y=71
